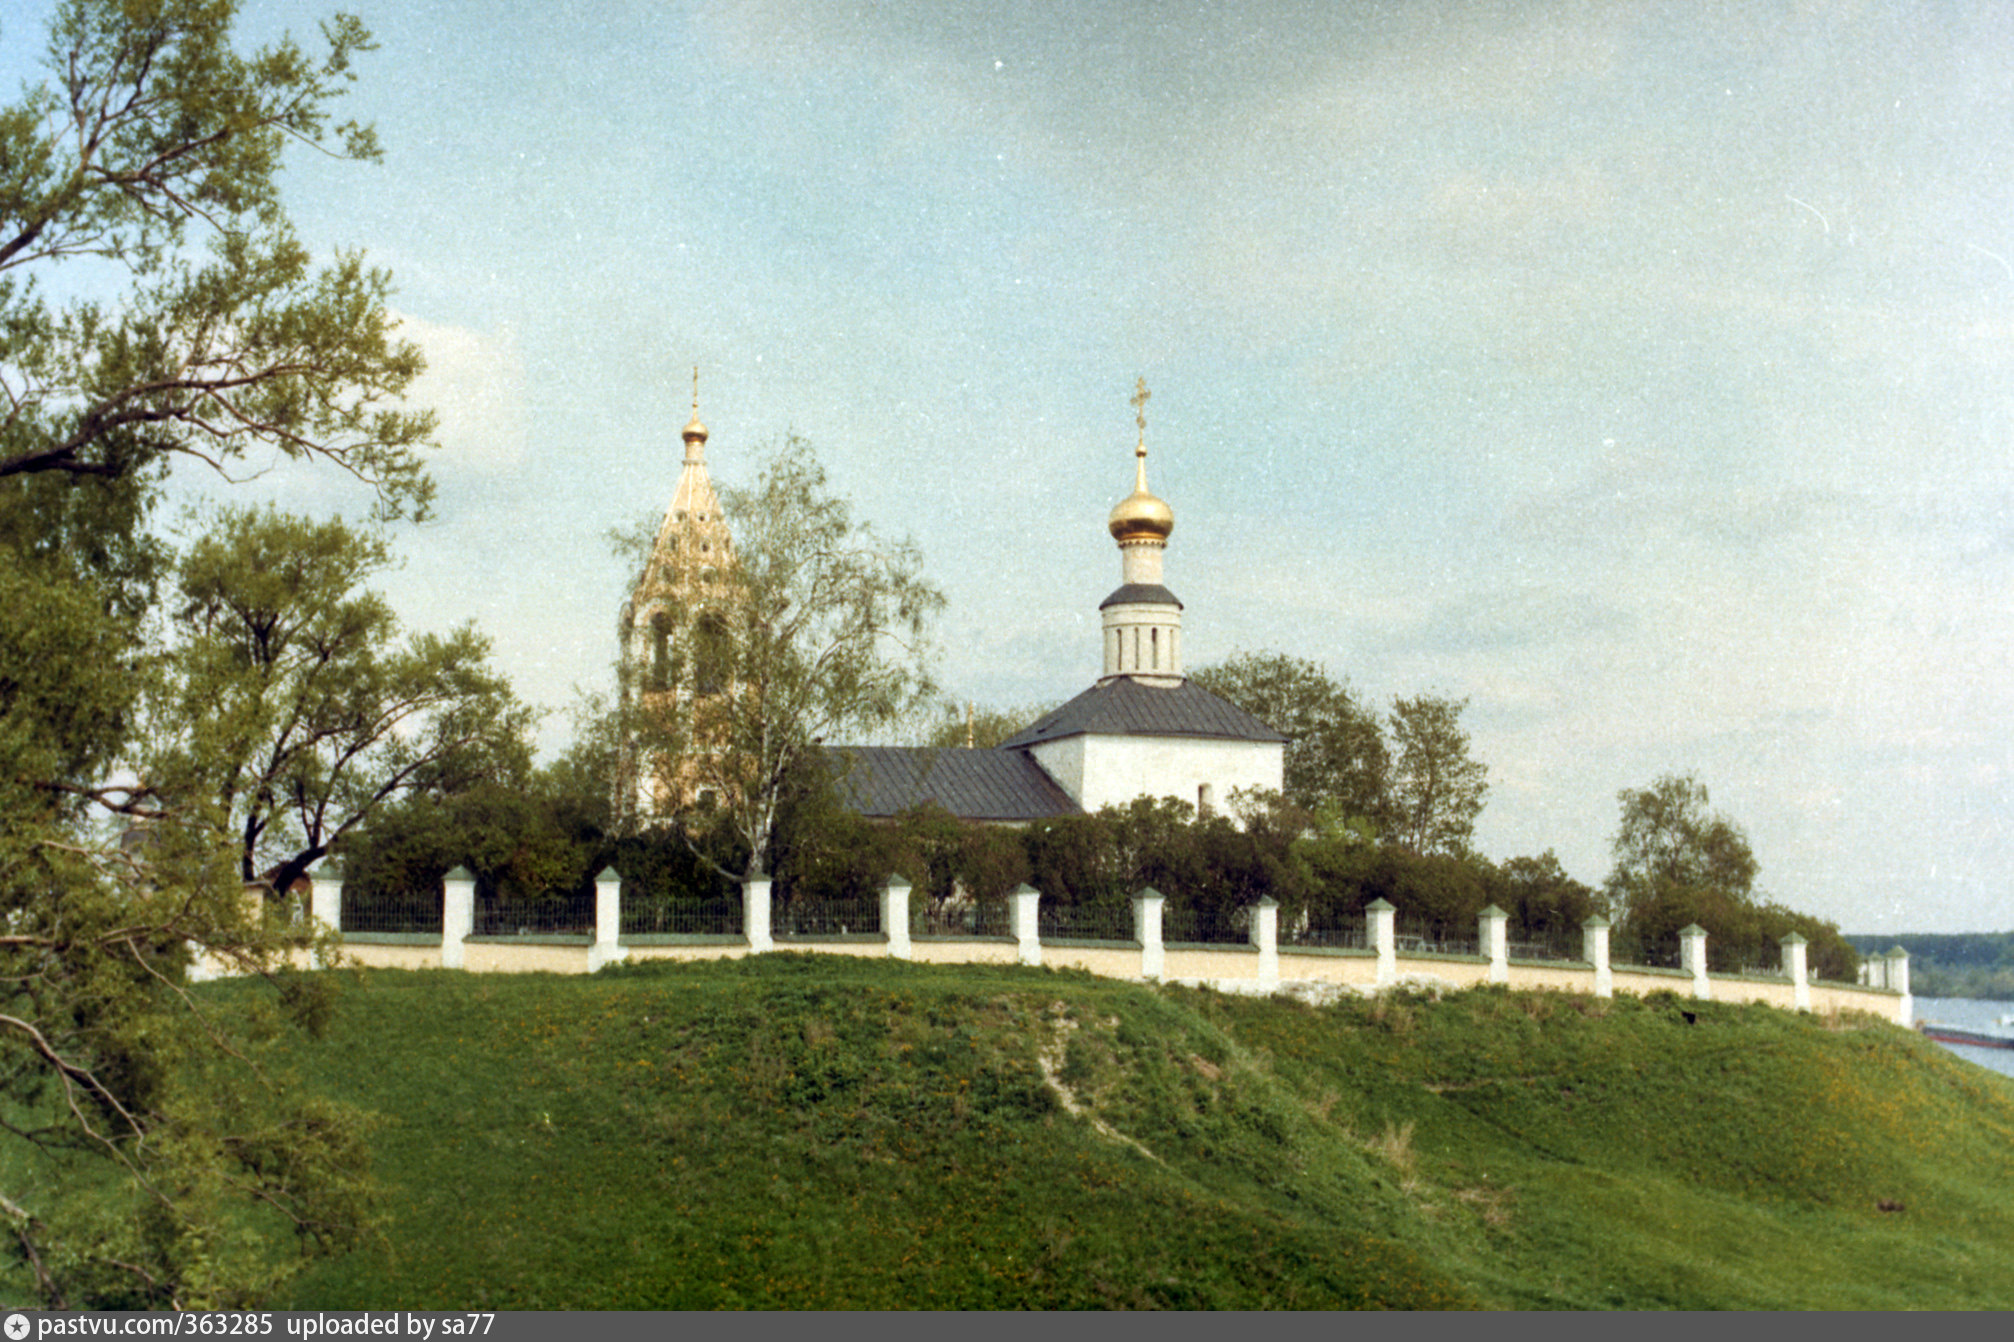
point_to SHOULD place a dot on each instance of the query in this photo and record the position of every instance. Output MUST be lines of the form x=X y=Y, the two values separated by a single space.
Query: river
x=1971 y=1014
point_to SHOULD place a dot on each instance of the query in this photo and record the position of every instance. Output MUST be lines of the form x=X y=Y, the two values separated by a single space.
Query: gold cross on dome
x=1139 y=404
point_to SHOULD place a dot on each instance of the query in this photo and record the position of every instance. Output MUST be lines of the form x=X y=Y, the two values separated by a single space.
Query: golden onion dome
x=695 y=429
x=1140 y=516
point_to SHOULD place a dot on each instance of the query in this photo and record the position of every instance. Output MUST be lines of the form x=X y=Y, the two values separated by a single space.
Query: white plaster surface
x=1113 y=770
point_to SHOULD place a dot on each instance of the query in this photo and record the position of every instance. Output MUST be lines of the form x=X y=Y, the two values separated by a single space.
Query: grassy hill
x=817 y=1131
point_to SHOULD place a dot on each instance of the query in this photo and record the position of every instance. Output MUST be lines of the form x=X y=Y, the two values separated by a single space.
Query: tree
x=821 y=631
x=1544 y=903
x=171 y=1166
x=1437 y=790
x=956 y=728
x=1668 y=841
x=290 y=710
x=156 y=125
x=1676 y=863
x=1336 y=757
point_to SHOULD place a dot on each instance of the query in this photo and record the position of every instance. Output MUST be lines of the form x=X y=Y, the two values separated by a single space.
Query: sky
x=1639 y=373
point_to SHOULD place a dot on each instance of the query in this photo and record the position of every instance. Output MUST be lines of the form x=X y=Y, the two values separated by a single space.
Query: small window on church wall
x=1154 y=648
x=1206 y=800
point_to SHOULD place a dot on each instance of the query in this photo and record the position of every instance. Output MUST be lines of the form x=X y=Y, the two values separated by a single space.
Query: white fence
x=1261 y=964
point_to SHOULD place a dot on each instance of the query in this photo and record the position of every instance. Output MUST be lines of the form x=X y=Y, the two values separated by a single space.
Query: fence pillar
x=1492 y=933
x=325 y=904
x=1795 y=969
x=607 y=948
x=1898 y=979
x=755 y=914
x=1594 y=950
x=1021 y=902
x=895 y=917
x=1147 y=907
x=1379 y=932
x=1265 y=934
x=458 y=914
x=1692 y=957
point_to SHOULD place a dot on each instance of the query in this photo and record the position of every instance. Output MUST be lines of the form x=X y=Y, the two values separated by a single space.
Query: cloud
x=475 y=380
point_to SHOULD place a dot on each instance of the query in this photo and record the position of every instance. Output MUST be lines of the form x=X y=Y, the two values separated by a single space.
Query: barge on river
x=1958 y=1034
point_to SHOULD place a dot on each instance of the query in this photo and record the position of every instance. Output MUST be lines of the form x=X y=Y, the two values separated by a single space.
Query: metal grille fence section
x=405 y=911
x=1207 y=927
x=1527 y=946
x=1084 y=922
x=826 y=917
x=1631 y=958
x=984 y=918
x=645 y=915
x=1342 y=938
x=552 y=915
x=1432 y=939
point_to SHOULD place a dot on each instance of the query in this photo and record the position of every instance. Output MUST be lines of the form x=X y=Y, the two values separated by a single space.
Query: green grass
x=822 y=1132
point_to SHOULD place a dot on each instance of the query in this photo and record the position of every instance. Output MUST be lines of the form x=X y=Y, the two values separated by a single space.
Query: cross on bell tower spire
x=695 y=432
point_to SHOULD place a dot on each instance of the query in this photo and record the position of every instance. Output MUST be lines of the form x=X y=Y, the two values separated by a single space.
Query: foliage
x=1962 y=964
x=1676 y=863
x=1541 y=901
x=108 y=1060
x=1336 y=755
x=153 y=125
x=825 y=634
x=144 y=170
x=979 y=728
x=1667 y=839
x=289 y=711
x=1437 y=790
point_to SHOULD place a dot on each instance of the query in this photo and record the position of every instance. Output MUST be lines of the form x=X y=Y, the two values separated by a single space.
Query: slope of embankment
x=822 y=1132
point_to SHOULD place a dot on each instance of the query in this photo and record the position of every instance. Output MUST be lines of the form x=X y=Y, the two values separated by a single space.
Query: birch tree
x=821 y=632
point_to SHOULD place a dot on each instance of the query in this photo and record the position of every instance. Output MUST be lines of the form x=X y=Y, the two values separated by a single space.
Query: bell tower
x=673 y=636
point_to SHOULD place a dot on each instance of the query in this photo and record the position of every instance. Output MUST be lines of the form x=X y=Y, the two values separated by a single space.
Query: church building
x=1140 y=730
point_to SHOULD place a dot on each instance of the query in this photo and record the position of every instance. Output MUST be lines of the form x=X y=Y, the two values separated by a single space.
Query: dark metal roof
x=1126 y=707
x=1141 y=594
x=971 y=784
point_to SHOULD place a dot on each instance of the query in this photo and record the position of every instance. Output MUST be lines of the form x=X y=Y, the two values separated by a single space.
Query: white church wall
x=1113 y=770
x=1063 y=761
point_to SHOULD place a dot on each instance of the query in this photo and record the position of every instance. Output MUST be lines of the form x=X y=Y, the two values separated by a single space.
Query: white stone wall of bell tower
x=1144 y=641
x=1140 y=562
